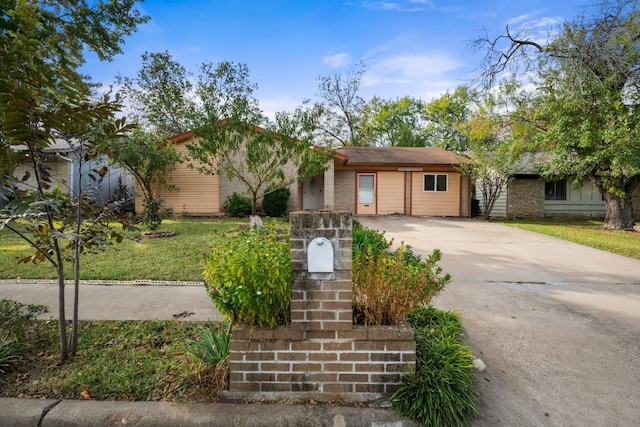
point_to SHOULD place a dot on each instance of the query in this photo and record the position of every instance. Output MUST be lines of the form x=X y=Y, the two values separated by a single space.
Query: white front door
x=366 y=193
x=312 y=193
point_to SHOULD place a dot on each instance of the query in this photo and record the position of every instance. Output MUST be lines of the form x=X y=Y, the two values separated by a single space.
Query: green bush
x=442 y=391
x=275 y=203
x=17 y=324
x=152 y=213
x=365 y=239
x=248 y=277
x=237 y=205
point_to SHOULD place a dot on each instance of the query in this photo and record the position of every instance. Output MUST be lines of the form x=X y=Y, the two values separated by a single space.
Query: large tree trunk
x=619 y=214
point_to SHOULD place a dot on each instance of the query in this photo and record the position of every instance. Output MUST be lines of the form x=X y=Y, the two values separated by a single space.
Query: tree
x=234 y=138
x=340 y=116
x=42 y=98
x=162 y=105
x=447 y=118
x=147 y=157
x=488 y=133
x=397 y=123
x=585 y=114
x=159 y=95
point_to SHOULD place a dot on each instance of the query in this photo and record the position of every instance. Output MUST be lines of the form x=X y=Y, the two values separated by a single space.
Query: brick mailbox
x=321 y=355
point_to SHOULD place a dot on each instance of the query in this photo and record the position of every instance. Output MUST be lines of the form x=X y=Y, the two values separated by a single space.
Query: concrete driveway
x=557 y=324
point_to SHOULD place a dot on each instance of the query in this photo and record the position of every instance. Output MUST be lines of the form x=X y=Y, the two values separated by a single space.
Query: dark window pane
x=555 y=190
x=442 y=183
x=429 y=183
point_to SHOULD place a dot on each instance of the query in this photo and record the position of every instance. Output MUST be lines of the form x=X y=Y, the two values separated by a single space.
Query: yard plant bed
x=131 y=360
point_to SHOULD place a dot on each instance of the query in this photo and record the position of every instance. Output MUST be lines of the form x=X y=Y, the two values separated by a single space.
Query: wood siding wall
x=194 y=194
x=391 y=193
x=584 y=201
x=435 y=203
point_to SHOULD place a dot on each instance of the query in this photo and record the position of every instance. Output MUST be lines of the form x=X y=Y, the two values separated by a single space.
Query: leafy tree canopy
x=584 y=113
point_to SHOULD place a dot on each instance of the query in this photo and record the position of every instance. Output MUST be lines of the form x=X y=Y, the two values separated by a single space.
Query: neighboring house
x=361 y=180
x=531 y=196
x=62 y=161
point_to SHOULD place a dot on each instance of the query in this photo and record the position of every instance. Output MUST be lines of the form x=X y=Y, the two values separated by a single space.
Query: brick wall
x=321 y=355
x=344 y=197
x=525 y=198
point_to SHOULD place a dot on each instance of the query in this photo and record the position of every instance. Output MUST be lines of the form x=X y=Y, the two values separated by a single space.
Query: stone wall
x=525 y=198
x=321 y=355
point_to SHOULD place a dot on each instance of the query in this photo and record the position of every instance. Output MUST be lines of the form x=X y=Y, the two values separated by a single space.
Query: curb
x=69 y=413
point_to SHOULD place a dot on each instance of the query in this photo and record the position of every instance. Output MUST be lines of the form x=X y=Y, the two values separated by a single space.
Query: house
x=66 y=172
x=391 y=180
x=361 y=180
x=529 y=195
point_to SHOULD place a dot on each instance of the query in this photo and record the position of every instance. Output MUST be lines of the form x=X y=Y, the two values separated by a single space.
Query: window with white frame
x=435 y=182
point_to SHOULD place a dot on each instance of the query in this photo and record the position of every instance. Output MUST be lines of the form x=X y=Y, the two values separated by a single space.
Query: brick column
x=321 y=301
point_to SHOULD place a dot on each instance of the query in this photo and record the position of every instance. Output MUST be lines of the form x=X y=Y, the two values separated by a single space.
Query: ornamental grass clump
x=389 y=285
x=442 y=391
x=248 y=277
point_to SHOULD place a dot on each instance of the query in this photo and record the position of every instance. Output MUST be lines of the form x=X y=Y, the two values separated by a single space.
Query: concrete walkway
x=113 y=300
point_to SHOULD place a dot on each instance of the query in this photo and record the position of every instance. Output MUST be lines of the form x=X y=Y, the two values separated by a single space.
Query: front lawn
x=585 y=232
x=173 y=258
x=130 y=360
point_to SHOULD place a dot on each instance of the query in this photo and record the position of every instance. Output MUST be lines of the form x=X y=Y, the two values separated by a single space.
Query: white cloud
x=408 y=68
x=338 y=60
x=384 y=5
x=270 y=106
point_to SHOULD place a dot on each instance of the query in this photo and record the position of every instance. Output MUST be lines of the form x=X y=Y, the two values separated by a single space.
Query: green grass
x=174 y=258
x=145 y=361
x=585 y=232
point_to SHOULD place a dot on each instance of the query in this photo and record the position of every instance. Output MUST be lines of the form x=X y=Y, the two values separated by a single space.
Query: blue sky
x=417 y=48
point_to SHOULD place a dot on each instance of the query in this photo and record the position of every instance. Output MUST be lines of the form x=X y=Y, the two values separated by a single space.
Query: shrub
x=10 y=351
x=248 y=277
x=365 y=239
x=237 y=205
x=390 y=286
x=17 y=324
x=275 y=203
x=152 y=213
x=442 y=391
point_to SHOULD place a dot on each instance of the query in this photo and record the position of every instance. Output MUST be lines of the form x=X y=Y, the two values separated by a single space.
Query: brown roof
x=407 y=156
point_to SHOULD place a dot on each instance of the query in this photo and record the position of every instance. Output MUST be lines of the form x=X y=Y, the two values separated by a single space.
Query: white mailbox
x=320 y=256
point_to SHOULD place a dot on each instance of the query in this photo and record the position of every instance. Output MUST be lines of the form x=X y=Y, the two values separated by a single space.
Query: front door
x=366 y=194
x=312 y=195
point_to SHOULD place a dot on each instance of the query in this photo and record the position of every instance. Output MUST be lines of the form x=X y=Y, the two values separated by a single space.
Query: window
x=555 y=190
x=435 y=182
x=366 y=189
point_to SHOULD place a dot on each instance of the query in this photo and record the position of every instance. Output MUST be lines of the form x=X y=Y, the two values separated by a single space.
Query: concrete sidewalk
x=145 y=300
x=115 y=300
